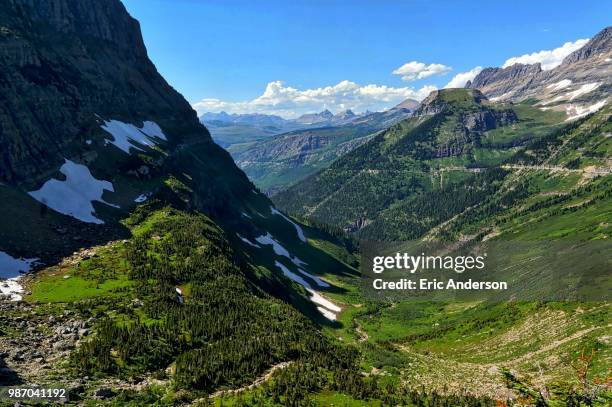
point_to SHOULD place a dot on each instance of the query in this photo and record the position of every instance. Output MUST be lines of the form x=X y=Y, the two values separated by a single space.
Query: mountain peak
x=312 y=118
x=601 y=42
x=408 y=104
x=513 y=72
x=345 y=114
x=442 y=99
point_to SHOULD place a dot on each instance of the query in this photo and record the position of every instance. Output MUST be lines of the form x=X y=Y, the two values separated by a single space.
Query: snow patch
x=583 y=90
x=327 y=308
x=12 y=289
x=559 y=85
x=11 y=267
x=324 y=302
x=576 y=112
x=501 y=97
x=316 y=279
x=298 y=229
x=151 y=129
x=327 y=314
x=268 y=239
x=74 y=196
x=141 y=198
x=88 y=142
x=11 y=270
x=126 y=134
x=247 y=241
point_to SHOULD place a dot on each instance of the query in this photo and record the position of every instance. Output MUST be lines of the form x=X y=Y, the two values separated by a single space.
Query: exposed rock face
x=62 y=63
x=67 y=67
x=601 y=43
x=312 y=118
x=506 y=79
x=488 y=119
x=583 y=79
x=409 y=104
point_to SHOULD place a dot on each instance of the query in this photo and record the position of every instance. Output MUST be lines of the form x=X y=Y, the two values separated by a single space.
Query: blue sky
x=228 y=52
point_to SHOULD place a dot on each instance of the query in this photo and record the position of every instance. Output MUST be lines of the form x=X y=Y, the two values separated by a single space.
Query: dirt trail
x=363 y=335
x=259 y=381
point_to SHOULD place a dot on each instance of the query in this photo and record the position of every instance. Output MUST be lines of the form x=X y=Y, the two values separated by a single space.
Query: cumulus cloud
x=414 y=70
x=461 y=78
x=287 y=101
x=548 y=58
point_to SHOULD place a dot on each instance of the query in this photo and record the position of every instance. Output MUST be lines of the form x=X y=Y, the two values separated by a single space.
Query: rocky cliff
x=83 y=111
x=578 y=86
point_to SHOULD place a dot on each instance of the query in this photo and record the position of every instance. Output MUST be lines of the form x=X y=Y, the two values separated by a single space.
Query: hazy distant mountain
x=248 y=118
x=276 y=162
x=315 y=118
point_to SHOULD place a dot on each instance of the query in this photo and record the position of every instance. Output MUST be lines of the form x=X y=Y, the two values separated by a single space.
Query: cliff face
x=580 y=83
x=63 y=64
x=89 y=128
x=505 y=79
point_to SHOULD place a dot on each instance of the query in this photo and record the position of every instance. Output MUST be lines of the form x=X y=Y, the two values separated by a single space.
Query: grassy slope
x=464 y=346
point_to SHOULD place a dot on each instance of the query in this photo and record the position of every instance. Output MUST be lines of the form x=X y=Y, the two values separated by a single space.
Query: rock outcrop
x=581 y=82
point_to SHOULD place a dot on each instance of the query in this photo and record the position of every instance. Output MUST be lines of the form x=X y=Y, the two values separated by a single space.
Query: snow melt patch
x=12 y=289
x=583 y=90
x=74 y=196
x=560 y=85
x=268 y=239
x=126 y=134
x=576 y=112
x=151 y=129
x=298 y=229
x=327 y=308
x=11 y=267
x=141 y=198
x=316 y=279
x=501 y=97
x=247 y=241
x=11 y=270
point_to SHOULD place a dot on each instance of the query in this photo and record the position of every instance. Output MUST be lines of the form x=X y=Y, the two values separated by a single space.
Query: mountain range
x=140 y=265
x=578 y=86
x=275 y=162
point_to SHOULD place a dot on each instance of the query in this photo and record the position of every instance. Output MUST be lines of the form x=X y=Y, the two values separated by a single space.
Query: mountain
x=578 y=86
x=315 y=118
x=453 y=134
x=156 y=259
x=232 y=129
x=408 y=104
x=279 y=161
x=247 y=118
x=470 y=171
x=161 y=276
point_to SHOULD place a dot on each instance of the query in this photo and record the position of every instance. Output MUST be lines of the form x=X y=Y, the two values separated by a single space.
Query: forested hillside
x=437 y=163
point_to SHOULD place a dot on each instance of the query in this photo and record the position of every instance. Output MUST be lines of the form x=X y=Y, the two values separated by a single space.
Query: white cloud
x=461 y=78
x=291 y=102
x=413 y=70
x=548 y=58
